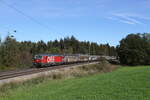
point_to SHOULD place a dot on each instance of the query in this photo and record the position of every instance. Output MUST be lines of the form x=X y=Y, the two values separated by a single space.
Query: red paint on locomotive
x=44 y=59
x=58 y=59
x=47 y=60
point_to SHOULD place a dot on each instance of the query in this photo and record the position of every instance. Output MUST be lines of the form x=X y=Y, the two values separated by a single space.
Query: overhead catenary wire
x=25 y=15
x=29 y=17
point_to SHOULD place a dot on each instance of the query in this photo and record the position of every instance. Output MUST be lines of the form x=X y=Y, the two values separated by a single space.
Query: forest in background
x=15 y=54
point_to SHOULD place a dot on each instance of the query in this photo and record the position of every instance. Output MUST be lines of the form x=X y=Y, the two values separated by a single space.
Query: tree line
x=17 y=54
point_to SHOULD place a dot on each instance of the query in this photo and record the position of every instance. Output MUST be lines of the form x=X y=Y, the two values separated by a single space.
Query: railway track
x=17 y=73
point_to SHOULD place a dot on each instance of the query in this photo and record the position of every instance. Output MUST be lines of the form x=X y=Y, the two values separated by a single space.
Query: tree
x=134 y=50
x=9 y=52
x=41 y=46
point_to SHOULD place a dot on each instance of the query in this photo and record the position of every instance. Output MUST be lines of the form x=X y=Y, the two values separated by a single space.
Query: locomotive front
x=37 y=60
x=40 y=60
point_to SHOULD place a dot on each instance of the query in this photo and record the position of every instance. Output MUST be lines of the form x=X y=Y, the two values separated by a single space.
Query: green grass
x=127 y=83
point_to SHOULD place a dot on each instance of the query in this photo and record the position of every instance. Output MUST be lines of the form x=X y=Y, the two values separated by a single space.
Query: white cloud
x=121 y=20
x=129 y=18
x=127 y=22
x=140 y=16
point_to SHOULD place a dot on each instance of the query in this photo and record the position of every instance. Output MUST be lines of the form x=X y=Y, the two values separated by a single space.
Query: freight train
x=44 y=60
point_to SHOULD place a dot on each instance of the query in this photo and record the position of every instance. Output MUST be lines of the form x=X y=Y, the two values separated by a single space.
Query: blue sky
x=101 y=21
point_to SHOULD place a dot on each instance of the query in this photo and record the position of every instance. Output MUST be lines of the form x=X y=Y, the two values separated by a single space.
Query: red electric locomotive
x=42 y=60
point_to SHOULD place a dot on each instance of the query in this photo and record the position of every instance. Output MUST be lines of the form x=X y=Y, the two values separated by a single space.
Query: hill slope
x=124 y=84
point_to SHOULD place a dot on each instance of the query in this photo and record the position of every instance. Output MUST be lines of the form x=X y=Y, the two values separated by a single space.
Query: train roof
x=64 y=55
x=49 y=54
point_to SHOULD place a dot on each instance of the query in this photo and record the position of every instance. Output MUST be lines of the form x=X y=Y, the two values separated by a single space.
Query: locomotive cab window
x=38 y=57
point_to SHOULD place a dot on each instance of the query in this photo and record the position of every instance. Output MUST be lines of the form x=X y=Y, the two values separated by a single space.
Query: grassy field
x=127 y=83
